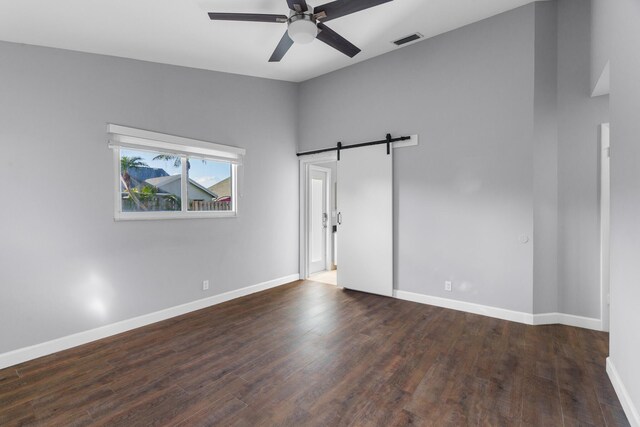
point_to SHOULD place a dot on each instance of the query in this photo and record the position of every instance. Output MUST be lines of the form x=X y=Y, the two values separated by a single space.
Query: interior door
x=318 y=219
x=365 y=220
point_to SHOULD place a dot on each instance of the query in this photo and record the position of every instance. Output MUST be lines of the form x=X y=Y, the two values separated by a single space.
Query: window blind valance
x=126 y=137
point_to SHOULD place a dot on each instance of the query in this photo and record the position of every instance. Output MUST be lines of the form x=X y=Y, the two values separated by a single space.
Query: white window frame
x=137 y=139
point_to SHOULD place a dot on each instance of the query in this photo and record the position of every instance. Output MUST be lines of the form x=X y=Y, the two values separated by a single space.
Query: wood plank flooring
x=308 y=353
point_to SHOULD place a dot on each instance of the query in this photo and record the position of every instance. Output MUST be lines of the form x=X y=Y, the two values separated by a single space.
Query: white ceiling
x=179 y=32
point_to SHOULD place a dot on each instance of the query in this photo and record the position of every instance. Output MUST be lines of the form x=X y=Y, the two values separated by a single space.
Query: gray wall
x=601 y=31
x=625 y=195
x=464 y=195
x=578 y=173
x=508 y=146
x=545 y=161
x=61 y=251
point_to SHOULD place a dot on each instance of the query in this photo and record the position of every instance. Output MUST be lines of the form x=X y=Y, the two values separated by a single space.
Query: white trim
x=567 y=319
x=605 y=224
x=327 y=231
x=407 y=143
x=117 y=175
x=184 y=186
x=235 y=184
x=144 y=216
x=122 y=136
x=630 y=409
x=469 y=307
x=305 y=163
x=28 y=353
x=501 y=313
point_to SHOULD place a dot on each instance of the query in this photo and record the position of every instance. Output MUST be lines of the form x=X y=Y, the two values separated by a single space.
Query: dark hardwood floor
x=311 y=354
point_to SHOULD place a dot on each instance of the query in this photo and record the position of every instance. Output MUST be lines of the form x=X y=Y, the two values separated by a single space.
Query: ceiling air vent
x=408 y=39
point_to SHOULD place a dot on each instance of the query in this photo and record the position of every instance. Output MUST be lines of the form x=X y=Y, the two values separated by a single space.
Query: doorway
x=604 y=223
x=318 y=183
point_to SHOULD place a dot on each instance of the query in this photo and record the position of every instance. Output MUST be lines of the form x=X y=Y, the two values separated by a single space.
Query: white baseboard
x=28 y=353
x=469 y=307
x=501 y=313
x=567 y=319
x=627 y=404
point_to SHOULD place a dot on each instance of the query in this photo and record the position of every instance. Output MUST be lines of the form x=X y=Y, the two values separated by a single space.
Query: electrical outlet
x=447 y=286
x=205 y=285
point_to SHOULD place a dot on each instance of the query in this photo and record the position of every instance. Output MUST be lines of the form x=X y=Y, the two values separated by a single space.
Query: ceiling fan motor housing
x=302 y=28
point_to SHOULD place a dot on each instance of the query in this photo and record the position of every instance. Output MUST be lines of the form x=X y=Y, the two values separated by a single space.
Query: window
x=160 y=176
x=212 y=185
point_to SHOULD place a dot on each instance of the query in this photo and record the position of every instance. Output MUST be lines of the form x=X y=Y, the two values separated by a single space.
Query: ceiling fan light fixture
x=302 y=29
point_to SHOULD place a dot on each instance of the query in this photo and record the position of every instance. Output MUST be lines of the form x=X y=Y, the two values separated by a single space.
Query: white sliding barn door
x=365 y=230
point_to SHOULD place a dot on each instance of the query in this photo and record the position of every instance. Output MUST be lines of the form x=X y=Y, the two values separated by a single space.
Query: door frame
x=605 y=223
x=327 y=204
x=306 y=164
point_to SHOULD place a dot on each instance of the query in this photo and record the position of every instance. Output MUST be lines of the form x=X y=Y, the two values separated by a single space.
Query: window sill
x=150 y=216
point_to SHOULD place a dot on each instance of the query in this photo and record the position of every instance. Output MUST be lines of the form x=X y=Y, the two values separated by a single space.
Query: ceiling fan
x=306 y=23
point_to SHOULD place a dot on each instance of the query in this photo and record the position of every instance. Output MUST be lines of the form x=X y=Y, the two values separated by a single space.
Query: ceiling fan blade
x=247 y=17
x=338 y=8
x=282 y=48
x=298 y=5
x=336 y=41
